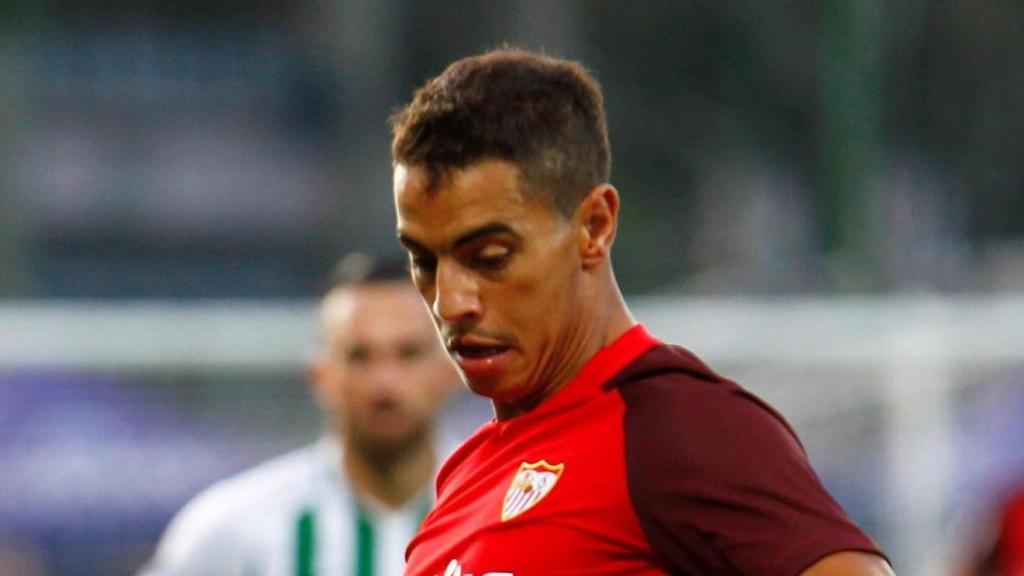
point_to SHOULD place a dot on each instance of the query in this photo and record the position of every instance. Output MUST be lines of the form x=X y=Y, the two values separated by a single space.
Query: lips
x=479 y=359
x=478 y=352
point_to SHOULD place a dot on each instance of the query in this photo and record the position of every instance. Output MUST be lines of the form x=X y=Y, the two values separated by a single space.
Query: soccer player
x=350 y=503
x=611 y=452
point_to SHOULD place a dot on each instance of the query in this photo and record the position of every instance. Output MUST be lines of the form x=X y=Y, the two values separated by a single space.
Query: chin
x=500 y=392
x=385 y=447
x=486 y=388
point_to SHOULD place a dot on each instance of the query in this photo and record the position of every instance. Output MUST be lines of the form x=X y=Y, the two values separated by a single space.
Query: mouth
x=384 y=405
x=385 y=416
x=472 y=351
x=479 y=359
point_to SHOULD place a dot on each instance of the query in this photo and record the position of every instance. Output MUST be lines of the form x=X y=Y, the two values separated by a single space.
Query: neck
x=617 y=318
x=391 y=481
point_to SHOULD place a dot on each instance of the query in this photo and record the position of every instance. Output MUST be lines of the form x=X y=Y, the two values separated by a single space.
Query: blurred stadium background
x=823 y=198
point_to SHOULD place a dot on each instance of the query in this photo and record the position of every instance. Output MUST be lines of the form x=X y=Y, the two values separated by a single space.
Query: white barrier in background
x=803 y=331
x=915 y=342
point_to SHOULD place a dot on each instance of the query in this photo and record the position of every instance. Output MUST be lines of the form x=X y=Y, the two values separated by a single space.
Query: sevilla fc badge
x=530 y=485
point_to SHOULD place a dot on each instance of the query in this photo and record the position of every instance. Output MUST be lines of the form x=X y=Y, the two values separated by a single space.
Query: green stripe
x=305 y=548
x=305 y=537
x=364 y=543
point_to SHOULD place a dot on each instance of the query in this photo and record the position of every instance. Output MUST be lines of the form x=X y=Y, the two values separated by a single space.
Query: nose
x=456 y=294
x=385 y=373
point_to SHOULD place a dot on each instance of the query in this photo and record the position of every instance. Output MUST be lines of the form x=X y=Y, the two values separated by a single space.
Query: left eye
x=492 y=257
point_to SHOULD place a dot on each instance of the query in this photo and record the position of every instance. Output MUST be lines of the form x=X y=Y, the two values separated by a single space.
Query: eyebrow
x=409 y=243
x=489 y=229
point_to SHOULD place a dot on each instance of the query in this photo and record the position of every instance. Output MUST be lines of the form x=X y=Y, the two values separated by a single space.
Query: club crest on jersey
x=530 y=485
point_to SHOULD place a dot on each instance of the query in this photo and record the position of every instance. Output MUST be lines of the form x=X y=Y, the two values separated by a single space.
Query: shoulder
x=459 y=457
x=671 y=394
x=682 y=417
x=216 y=527
x=717 y=476
x=270 y=484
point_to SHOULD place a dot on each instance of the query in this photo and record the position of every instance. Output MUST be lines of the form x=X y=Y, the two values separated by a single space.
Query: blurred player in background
x=349 y=504
x=611 y=452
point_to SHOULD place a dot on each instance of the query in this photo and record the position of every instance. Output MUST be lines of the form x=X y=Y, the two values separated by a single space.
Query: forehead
x=436 y=210
x=384 y=311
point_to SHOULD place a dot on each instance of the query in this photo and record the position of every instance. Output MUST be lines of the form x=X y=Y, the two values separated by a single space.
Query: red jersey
x=645 y=463
x=1010 y=548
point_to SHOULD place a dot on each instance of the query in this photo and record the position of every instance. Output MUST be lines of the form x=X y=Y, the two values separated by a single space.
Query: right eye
x=357 y=354
x=422 y=264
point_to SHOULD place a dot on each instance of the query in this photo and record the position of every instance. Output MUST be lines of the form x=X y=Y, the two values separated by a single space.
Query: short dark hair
x=360 y=269
x=543 y=114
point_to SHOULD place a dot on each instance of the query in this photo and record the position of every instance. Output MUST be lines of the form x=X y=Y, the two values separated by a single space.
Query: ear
x=319 y=375
x=599 y=216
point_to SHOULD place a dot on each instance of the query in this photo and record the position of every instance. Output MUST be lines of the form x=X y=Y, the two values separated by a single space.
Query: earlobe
x=599 y=213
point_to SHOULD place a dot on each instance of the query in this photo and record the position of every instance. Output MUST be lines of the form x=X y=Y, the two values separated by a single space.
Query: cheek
x=417 y=384
x=328 y=393
x=536 y=293
x=554 y=290
x=352 y=393
x=346 y=401
x=424 y=286
x=554 y=306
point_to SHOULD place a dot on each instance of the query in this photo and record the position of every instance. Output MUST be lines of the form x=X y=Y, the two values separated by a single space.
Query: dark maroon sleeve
x=720 y=483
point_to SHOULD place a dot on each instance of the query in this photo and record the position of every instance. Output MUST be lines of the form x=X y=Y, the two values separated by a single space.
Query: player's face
x=501 y=273
x=383 y=375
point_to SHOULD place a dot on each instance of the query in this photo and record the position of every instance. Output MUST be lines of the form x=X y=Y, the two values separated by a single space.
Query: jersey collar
x=601 y=368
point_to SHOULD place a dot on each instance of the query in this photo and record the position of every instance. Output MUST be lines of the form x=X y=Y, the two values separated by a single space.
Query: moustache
x=455 y=332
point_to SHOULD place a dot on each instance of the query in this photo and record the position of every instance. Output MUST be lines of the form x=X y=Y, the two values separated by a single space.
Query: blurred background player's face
x=382 y=376
x=501 y=273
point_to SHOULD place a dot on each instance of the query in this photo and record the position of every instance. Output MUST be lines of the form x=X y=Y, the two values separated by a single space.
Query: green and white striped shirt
x=294 y=515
